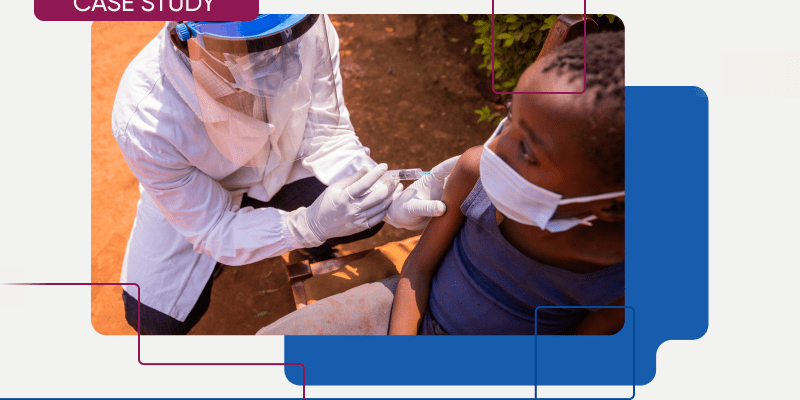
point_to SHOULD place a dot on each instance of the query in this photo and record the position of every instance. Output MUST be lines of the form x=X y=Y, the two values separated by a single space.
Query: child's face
x=541 y=141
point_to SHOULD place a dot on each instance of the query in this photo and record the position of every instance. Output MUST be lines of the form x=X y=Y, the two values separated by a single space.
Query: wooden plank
x=299 y=271
x=566 y=28
x=324 y=267
x=299 y=293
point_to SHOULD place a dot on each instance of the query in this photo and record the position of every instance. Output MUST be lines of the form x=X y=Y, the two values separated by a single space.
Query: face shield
x=260 y=84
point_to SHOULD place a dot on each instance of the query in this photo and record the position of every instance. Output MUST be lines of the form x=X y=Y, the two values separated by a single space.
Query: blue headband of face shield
x=267 y=31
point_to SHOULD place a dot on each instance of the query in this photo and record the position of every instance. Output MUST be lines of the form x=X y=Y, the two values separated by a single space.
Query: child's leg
x=364 y=310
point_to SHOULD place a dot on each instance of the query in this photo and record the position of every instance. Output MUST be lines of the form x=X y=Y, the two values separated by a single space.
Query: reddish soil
x=411 y=86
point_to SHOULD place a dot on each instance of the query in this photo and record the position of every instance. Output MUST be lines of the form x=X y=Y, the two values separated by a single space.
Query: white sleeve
x=330 y=148
x=201 y=210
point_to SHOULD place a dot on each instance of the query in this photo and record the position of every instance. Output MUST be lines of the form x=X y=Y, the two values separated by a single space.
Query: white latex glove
x=346 y=207
x=419 y=202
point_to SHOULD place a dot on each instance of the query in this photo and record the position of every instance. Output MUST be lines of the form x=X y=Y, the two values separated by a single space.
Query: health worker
x=244 y=150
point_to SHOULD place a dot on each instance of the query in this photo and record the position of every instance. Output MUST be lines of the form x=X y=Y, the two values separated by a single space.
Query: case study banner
x=145 y=10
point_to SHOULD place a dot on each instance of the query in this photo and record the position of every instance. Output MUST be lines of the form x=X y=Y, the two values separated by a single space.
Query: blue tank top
x=485 y=286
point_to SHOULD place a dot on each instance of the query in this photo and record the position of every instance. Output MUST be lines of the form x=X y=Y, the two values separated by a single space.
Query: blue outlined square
x=584 y=59
x=600 y=360
x=666 y=269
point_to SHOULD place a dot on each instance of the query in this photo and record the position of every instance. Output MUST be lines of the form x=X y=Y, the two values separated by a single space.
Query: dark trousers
x=297 y=194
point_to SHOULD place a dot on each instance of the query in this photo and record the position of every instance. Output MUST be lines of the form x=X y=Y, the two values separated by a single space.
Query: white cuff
x=295 y=230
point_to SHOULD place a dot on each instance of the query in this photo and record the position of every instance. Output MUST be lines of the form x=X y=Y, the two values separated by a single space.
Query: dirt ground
x=411 y=87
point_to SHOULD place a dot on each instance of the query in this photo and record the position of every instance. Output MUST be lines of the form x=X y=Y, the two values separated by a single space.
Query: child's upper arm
x=463 y=178
x=439 y=233
x=413 y=289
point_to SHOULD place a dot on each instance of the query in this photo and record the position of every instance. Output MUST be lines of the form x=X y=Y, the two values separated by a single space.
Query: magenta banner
x=145 y=10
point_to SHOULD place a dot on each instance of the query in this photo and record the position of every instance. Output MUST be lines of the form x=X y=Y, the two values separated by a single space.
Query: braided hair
x=605 y=91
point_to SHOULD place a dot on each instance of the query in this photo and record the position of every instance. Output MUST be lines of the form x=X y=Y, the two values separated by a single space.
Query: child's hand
x=415 y=206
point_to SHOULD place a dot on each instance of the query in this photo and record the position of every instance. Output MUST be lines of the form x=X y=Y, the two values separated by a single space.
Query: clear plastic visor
x=257 y=106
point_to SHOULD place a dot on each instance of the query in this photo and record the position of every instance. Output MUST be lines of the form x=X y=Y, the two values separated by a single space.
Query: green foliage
x=611 y=17
x=548 y=23
x=486 y=114
x=518 y=40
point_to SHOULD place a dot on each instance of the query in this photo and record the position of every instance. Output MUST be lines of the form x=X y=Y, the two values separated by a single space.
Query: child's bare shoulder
x=464 y=176
x=468 y=167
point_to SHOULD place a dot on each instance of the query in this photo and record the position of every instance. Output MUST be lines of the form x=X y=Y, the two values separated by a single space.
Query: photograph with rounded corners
x=306 y=174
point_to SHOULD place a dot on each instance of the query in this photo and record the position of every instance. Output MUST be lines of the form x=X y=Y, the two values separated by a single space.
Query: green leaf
x=611 y=18
x=508 y=42
x=465 y=16
x=548 y=23
x=484 y=113
x=503 y=36
x=479 y=41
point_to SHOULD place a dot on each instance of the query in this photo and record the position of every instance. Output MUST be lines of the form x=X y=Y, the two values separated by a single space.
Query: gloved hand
x=346 y=207
x=419 y=202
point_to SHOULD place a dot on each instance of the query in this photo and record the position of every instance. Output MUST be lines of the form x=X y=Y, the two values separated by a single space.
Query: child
x=535 y=217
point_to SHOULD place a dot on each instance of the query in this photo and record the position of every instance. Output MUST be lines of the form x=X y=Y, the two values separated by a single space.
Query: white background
x=744 y=54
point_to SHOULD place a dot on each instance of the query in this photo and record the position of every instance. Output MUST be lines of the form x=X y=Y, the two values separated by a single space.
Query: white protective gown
x=188 y=216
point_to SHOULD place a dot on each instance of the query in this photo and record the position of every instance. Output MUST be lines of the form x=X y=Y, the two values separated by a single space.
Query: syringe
x=405 y=174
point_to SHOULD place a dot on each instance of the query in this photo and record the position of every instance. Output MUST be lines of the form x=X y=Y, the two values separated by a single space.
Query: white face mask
x=524 y=202
x=268 y=72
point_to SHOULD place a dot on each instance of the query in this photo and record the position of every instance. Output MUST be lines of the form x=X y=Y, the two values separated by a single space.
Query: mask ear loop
x=587 y=199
